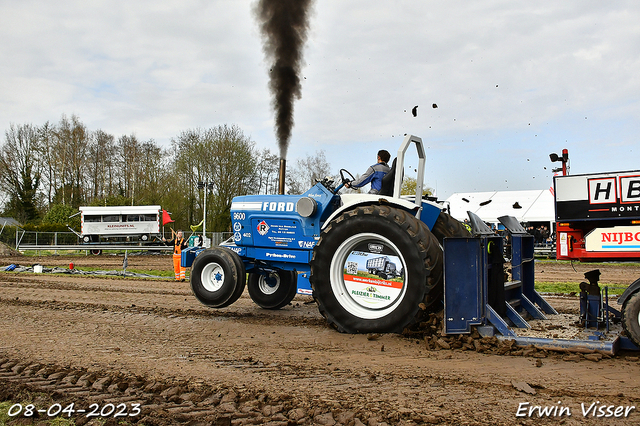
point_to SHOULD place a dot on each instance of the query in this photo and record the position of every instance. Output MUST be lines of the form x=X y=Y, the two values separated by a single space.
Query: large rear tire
x=354 y=301
x=631 y=317
x=216 y=277
x=446 y=226
x=274 y=291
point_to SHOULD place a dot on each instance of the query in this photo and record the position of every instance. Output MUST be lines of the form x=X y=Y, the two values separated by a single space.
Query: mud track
x=84 y=340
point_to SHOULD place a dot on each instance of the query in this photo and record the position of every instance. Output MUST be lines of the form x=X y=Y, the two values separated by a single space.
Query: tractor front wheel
x=273 y=291
x=355 y=301
x=217 y=277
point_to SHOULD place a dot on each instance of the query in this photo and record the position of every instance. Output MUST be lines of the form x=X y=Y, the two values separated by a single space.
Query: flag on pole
x=166 y=218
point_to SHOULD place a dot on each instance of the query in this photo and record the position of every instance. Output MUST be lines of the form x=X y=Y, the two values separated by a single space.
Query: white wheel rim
x=212 y=277
x=264 y=286
x=343 y=290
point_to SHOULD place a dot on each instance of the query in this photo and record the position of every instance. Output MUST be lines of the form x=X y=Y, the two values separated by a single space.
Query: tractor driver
x=374 y=174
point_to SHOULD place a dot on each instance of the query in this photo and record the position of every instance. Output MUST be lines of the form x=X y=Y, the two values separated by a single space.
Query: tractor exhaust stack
x=281 y=173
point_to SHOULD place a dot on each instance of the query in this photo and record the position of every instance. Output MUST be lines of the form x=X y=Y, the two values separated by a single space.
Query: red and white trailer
x=598 y=216
x=598 y=219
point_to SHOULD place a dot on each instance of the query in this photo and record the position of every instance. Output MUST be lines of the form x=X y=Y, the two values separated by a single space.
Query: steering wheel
x=344 y=178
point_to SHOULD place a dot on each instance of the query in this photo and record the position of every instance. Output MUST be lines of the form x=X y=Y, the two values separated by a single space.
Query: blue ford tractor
x=318 y=243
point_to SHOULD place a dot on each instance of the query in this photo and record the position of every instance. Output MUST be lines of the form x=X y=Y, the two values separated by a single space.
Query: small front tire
x=215 y=277
x=273 y=291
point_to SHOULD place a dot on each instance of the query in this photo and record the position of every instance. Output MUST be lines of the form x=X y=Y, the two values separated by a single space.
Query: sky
x=513 y=80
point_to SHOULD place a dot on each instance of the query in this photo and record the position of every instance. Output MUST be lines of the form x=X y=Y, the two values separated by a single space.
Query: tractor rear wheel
x=273 y=291
x=355 y=301
x=216 y=277
x=446 y=226
x=631 y=317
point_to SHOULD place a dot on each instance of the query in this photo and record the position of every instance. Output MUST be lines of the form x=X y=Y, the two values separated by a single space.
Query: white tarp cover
x=535 y=205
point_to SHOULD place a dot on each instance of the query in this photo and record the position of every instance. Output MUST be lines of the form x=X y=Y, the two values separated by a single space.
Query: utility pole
x=206 y=186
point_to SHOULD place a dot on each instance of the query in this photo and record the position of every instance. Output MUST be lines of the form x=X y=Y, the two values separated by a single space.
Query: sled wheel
x=355 y=301
x=446 y=226
x=215 y=277
x=631 y=317
x=273 y=291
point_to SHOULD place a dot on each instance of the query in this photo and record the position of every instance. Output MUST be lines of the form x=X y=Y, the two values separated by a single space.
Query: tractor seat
x=388 y=180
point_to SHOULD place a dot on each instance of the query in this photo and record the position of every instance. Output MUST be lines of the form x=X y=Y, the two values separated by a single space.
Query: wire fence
x=17 y=237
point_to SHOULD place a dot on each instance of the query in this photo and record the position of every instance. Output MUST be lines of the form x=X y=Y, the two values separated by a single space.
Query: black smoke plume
x=284 y=25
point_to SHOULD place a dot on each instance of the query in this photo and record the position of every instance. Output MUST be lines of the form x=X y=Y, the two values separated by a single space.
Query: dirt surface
x=149 y=346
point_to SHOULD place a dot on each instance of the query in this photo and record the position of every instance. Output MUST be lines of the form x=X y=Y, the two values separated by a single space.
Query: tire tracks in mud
x=44 y=284
x=245 y=317
x=31 y=283
x=171 y=401
x=160 y=402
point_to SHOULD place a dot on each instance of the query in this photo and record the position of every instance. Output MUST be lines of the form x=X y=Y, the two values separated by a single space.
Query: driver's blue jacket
x=373 y=175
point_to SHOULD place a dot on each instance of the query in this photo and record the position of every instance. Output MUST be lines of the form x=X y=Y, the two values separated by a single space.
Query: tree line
x=48 y=171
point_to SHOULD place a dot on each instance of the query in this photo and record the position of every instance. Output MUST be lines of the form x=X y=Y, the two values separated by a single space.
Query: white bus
x=117 y=222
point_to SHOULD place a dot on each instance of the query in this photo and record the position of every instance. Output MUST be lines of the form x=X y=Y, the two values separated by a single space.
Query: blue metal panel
x=523 y=269
x=497 y=321
x=531 y=308
x=429 y=214
x=463 y=300
x=304 y=286
x=247 y=212
x=188 y=255
x=279 y=257
x=627 y=344
x=515 y=318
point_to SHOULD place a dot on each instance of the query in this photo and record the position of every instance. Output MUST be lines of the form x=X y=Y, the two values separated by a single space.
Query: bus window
x=111 y=218
x=93 y=218
x=149 y=217
x=132 y=218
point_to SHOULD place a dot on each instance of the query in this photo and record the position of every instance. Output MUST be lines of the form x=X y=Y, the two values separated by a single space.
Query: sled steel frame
x=475 y=293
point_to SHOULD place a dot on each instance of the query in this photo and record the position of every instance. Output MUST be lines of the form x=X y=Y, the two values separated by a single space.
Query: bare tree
x=20 y=172
x=51 y=177
x=71 y=157
x=100 y=153
x=187 y=168
x=153 y=173
x=222 y=156
x=267 y=165
x=307 y=172
x=233 y=170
